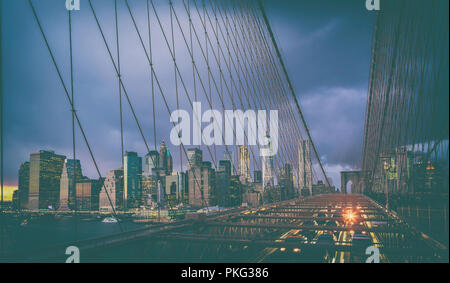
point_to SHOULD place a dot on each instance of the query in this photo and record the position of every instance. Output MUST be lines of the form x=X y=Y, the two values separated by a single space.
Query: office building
x=87 y=194
x=151 y=162
x=112 y=187
x=267 y=165
x=45 y=174
x=194 y=156
x=23 y=186
x=222 y=187
x=230 y=157
x=165 y=160
x=71 y=173
x=176 y=189
x=304 y=166
x=225 y=165
x=201 y=185
x=286 y=182
x=149 y=185
x=132 y=180
x=244 y=164
x=257 y=177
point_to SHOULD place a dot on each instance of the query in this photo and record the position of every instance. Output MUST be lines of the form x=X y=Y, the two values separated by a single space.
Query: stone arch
x=356 y=177
x=348 y=186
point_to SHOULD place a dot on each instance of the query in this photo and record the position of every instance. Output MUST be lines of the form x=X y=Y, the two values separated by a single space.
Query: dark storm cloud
x=337 y=123
x=326 y=45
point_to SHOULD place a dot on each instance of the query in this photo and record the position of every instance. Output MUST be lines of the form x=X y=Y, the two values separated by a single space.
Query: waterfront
x=50 y=230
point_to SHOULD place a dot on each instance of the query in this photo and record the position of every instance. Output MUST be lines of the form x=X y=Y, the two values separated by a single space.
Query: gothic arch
x=356 y=177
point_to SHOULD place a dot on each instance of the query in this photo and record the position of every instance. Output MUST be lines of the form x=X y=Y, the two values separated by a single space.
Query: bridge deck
x=266 y=231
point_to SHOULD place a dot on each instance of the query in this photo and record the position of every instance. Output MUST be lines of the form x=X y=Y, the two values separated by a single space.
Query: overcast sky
x=326 y=45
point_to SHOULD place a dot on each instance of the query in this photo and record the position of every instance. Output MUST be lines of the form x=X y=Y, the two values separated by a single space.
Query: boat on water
x=24 y=222
x=110 y=220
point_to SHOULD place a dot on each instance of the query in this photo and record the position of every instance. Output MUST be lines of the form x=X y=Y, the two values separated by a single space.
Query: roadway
x=334 y=228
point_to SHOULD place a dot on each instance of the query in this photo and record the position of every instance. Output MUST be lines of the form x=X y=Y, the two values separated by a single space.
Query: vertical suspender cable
x=1 y=138
x=73 y=129
x=175 y=74
x=152 y=76
x=119 y=75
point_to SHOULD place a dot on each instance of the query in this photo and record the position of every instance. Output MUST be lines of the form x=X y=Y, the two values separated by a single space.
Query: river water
x=42 y=232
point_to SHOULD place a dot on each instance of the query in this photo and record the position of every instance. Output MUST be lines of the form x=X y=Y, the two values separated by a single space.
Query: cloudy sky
x=326 y=45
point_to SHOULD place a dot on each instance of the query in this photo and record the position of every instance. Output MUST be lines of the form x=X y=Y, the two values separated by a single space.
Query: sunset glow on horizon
x=8 y=192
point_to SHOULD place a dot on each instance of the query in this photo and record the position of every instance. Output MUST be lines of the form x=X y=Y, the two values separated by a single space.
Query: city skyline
x=137 y=178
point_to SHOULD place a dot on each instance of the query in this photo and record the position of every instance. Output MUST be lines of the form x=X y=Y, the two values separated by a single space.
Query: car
x=325 y=240
x=297 y=239
x=309 y=223
x=332 y=224
x=321 y=215
x=309 y=234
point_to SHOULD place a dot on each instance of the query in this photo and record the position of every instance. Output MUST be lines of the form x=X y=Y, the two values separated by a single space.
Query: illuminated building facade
x=45 y=174
x=244 y=164
x=267 y=166
x=87 y=194
x=201 y=184
x=151 y=162
x=194 y=156
x=113 y=185
x=149 y=184
x=71 y=172
x=132 y=180
x=176 y=189
x=165 y=160
x=304 y=166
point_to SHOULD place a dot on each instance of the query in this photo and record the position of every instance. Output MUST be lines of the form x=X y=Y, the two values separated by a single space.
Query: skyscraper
x=165 y=160
x=132 y=180
x=304 y=166
x=225 y=165
x=222 y=186
x=229 y=156
x=45 y=174
x=149 y=184
x=257 y=177
x=151 y=162
x=176 y=188
x=194 y=156
x=286 y=181
x=114 y=186
x=160 y=196
x=87 y=193
x=267 y=165
x=257 y=181
x=24 y=185
x=244 y=164
x=71 y=172
x=201 y=183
